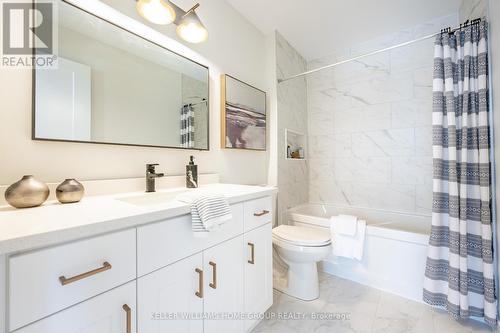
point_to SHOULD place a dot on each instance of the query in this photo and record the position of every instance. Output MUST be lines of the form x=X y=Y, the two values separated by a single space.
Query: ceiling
x=317 y=28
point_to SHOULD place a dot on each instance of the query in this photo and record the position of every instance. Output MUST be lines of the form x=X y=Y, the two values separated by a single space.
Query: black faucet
x=151 y=176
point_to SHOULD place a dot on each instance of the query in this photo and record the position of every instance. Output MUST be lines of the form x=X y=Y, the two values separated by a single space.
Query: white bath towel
x=208 y=212
x=345 y=224
x=349 y=246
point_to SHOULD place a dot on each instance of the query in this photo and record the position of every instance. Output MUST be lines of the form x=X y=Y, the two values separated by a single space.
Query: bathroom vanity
x=130 y=263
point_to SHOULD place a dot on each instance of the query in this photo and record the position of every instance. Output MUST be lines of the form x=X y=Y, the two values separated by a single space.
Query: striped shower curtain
x=459 y=273
x=187 y=126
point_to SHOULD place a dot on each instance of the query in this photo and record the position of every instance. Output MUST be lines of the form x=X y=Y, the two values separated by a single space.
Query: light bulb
x=191 y=29
x=156 y=11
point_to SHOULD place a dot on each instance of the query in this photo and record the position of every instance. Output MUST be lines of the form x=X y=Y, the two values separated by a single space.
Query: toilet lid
x=302 y=235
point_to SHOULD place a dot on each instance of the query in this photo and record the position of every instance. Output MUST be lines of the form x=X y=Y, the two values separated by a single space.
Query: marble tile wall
x=292 y=114
x=370 y=126
x=473 y=9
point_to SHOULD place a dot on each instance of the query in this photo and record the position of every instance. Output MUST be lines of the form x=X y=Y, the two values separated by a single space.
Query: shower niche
x=295 y=148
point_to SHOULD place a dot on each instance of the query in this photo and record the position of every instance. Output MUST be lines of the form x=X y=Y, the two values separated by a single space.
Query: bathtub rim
x=376 y=229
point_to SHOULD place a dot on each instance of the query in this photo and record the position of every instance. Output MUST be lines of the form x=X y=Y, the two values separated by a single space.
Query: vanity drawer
x=111 y=312
x=46 y=281
x=258 y=212
x=160 y=244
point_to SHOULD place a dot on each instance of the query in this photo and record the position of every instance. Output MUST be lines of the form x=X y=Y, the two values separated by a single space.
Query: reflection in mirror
x=112 y=86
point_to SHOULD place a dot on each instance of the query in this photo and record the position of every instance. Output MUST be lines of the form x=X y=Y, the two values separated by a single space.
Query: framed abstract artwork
x=243 y=115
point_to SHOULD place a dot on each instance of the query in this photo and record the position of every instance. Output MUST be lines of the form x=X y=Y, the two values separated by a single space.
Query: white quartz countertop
x=53 y=223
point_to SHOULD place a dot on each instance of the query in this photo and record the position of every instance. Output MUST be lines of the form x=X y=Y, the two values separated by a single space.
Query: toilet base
x=301 y=281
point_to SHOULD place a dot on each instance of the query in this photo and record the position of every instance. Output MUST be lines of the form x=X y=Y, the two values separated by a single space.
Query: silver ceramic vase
x=27 y=192
x=70 y=191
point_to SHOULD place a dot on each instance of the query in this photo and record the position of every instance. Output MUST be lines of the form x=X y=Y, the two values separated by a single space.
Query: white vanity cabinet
x=257 y=212
x=162 y=243
x=165 y=296
x=258 y=273
x=111 y=312
x=224 y=286
x=174 y=298
x=153 y=278
x=219 y=287
x=49 y=280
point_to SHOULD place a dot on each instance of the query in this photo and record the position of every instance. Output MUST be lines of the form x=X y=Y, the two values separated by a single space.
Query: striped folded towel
x=209 y=212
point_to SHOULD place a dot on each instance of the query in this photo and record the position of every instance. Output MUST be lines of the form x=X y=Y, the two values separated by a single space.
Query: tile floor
x=370 y=310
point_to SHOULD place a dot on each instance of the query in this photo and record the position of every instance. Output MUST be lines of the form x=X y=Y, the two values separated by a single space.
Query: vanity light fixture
x=190 y=27
x=163 y=12
x=156 y=11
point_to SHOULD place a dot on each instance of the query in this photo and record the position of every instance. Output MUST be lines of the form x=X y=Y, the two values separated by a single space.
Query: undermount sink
x=148 y=199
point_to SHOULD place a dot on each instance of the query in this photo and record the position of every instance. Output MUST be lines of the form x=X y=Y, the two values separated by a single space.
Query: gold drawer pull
x=264 y=212
x=213 y=284
x=252 y=247
x=199 y=293
x=105 y=267
x=128 y=311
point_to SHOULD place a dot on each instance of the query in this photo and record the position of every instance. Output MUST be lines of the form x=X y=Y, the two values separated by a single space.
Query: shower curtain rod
x=448 y=30
x=193 y=104
x=204 y=101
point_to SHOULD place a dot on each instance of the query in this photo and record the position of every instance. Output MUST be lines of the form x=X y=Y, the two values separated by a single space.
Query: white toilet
x=301 y=248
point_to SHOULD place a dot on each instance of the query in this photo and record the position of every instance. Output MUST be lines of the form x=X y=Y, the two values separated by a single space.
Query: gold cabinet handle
x=199 y=293
x=252 y=248
x=264 y=212
x=105 y=267
x=213 y=284
x=128 y=311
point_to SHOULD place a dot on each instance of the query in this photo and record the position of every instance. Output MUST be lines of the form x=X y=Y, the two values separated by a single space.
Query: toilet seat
x=302 y=236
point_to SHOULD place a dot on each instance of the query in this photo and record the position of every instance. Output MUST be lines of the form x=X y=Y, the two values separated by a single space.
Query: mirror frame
x=33 y=93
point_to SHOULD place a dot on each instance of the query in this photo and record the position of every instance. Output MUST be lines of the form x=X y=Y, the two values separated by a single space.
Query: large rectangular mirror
x=112 y=86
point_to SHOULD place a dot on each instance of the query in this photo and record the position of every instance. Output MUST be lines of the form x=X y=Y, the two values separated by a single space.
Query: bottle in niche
x=301 y=153
x=191 y=174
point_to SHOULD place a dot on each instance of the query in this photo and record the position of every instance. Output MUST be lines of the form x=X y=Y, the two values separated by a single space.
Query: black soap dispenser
x=191 y=174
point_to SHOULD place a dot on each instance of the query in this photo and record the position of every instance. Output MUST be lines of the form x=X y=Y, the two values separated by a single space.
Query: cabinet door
x=258 y=272
x=111 y=312
x=165 y=295
x=224 y=286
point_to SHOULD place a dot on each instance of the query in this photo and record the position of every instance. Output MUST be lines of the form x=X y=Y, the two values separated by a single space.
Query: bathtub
x=395 y=247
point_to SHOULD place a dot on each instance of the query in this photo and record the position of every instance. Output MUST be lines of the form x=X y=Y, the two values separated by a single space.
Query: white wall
x=234 y=47
x=370 y=124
